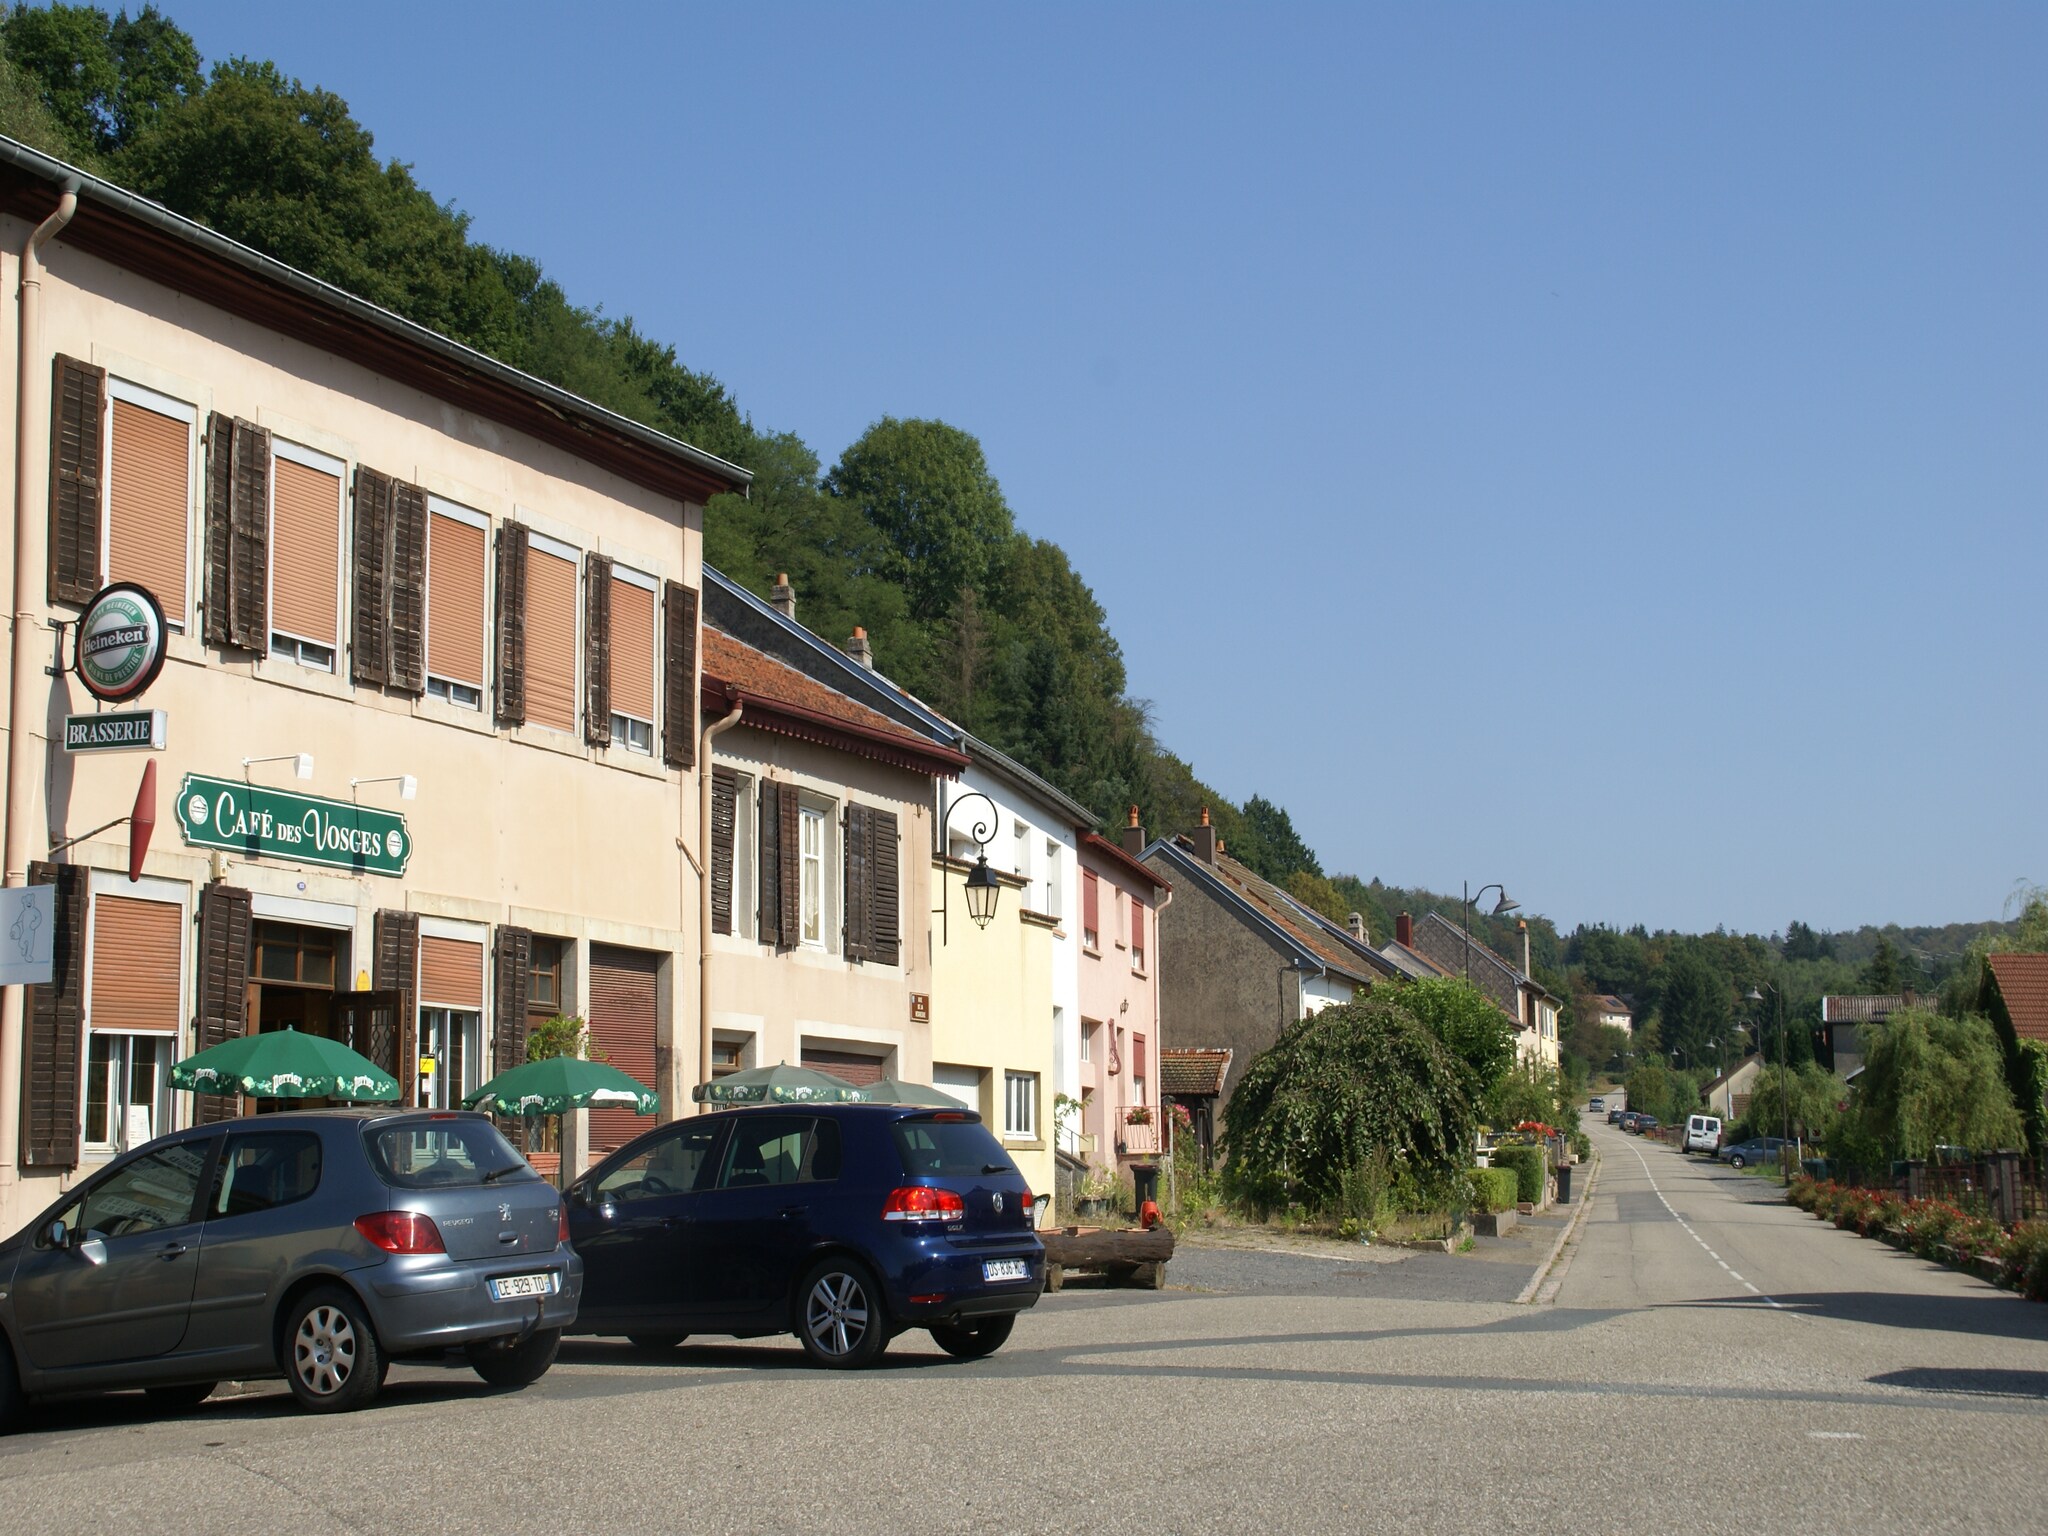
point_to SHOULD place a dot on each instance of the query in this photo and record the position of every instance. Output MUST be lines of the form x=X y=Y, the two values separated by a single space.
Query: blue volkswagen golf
x=845 y=1224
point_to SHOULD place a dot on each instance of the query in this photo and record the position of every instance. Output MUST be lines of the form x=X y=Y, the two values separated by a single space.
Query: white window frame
x=570 y=553
x=327 y=464
x=1012 y=1100
x=163 y=405
x=169 y=893
x=447 y=691
x=470 y=1021
x=640 y=741
x=1088 y=1028
x=121 y=1073
x=809 y=816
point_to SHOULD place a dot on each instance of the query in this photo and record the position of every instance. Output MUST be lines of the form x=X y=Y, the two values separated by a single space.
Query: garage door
x=964 y=1083
x=856 y=1067
x=622 y=1027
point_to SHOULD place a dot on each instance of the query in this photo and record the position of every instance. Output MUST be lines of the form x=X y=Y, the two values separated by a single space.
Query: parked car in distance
x=844 y=1224
x=1614 y=1116
x=1702 y=1134
x=1644 y=1124
x=1628 y=1120
x=314 y=1245
x=1758 y=1149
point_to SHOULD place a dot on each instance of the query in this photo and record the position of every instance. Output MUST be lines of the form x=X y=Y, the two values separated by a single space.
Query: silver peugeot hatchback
x=319 y=1245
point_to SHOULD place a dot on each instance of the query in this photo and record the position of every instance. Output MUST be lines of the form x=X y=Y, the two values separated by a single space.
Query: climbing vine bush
x=1356 y=1081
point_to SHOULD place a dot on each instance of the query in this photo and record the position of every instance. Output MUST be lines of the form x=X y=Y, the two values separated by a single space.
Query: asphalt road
x=1712 y=1360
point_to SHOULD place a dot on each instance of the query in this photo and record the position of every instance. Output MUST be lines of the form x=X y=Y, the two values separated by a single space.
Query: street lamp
x=1784 y=1089
x=981 y=883
x=1500 y=909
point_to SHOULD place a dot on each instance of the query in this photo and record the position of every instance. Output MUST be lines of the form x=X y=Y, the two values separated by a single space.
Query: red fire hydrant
x=1148 y=1215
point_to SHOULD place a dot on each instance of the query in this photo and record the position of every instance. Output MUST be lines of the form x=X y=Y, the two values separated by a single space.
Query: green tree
x=1884 y=973
x=1357 y=1081
x=926 y=489
x=1693 y=1008
x=1809 y=1103
x=1929 y=1081
x=1458 y=1014
x=1273 y=849
x=104 y=79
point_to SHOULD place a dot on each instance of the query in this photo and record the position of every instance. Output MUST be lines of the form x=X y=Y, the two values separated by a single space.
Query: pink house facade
x=1120 y=900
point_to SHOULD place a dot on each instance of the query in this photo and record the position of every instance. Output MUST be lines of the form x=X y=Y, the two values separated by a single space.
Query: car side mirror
x=57 y=1235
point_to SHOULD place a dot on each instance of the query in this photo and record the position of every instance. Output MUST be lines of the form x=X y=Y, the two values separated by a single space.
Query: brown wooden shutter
x=768 y=862
x=407 y=565
x=622 y=1013
x=511 y=985
x=397 y=970
x=224 y=927
x=885 y=922
x=53 y=1053
x=679 y=671
x=511 y=702
x=725 y=797
x=855 y=885
x=790 y=849
x=597 y=649
x=249 y=539
x=370 y=636
x=76 y=424
x=220 y=435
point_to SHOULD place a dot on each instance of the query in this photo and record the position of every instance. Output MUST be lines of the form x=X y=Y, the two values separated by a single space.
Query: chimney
x=1404 y=931
x=1523 y=924
x=783 y=596
x=1134 y=836
x=859 y=649
x=1356 y=922
x=1205 y=840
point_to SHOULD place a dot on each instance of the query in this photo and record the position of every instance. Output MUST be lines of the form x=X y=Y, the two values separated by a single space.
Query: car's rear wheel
x=331 y=1358
x=516 y=1363
x=841 y=1321
x=974 y=1341
x=655 y=1343
x=1736 y=1161
x=180 y=1399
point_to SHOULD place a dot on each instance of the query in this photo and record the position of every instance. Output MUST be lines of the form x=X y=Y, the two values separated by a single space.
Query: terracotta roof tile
x=1276 y=905
x=1193 y=1072
x=2023 y=983
x=733 y=661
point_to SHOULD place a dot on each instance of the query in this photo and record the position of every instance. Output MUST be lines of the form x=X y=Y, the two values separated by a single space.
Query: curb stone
x=1585 y=1204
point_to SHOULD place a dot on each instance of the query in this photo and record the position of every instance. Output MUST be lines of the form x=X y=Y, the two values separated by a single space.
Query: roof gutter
x=158 y=217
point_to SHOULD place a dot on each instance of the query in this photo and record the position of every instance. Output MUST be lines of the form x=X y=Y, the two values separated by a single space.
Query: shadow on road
x=767 y=1355
x=1987 y=1383
x=270 y=1400
x=1992 y=1314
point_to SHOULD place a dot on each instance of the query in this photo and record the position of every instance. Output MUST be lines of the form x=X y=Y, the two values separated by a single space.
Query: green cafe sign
x=307 y=829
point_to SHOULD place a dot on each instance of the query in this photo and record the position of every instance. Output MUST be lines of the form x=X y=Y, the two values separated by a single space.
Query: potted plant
x=1138 y=1114
x=1095 y=1201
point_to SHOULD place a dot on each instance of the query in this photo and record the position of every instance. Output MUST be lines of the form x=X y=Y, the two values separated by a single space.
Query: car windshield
x=440 y=1154
x=949 y=1148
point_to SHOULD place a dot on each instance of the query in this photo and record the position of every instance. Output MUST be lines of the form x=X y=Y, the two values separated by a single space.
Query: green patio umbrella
x=780 y=1084
x=894 y=1090
x=558 y=1084
x=284 y=1064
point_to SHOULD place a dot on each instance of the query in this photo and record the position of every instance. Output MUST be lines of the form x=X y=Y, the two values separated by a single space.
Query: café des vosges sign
x=121 y=642
x=307 y=829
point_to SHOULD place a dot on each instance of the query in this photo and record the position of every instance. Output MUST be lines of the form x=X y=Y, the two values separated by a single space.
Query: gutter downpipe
x=31 y=556
x=715 y=728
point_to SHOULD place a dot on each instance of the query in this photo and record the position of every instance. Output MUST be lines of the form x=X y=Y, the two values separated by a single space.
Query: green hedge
x=1530 y=1166
x=1493 y=1189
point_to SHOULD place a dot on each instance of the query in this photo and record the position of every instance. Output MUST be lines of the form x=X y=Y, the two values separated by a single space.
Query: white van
x=1702 y=1134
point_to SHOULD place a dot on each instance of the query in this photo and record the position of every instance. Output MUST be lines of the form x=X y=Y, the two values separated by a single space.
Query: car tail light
x=1028 y=1198
x=918 y=1202
x=562 y=1227
x=402 y=1232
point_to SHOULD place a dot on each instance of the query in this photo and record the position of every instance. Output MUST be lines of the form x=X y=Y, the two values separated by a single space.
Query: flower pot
x=1087 y=1210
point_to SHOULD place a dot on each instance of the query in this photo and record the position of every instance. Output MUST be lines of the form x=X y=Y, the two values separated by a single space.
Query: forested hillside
x=906 y=534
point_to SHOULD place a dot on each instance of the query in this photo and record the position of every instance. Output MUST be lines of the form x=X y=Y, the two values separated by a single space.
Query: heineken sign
x=121 y=642
x=126 y=731
x=307 y=829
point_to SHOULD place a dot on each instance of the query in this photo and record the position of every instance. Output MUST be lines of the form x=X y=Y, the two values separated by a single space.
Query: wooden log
x=1092 y=1250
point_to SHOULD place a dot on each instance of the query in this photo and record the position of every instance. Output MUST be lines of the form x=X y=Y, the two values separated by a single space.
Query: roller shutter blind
x=854 y=1066
x=622 y=1014
x=137 y=953
x=451 y=973
x=149 y=502
x=54 y=1022
x=455 y=600
x=1091 y=906
x=632 y=650
x=75 y=443
x=1137 y=931
x=550 y=642
x=305 y=557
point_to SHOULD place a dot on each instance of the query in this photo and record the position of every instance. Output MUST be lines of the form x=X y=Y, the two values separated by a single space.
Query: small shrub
x=1494 y=1189
x=1802 y=1192
x=2026 y=1259
x=1530 y=1166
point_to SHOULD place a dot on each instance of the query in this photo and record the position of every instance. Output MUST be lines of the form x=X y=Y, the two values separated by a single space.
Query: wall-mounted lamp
x=981 y=883
x=408 y=786
x=302 y=763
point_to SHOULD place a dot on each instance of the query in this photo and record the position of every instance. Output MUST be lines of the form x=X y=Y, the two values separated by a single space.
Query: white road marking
x=1768 y=1300
x=1832 y=1434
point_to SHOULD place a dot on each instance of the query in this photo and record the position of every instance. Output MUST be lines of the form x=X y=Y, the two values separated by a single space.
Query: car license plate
x=507 y=1287
x=1005 y=1269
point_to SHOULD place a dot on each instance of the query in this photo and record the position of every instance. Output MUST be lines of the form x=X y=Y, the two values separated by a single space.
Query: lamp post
x=1784 y=1089
x=1500 y=908
x=981 y=884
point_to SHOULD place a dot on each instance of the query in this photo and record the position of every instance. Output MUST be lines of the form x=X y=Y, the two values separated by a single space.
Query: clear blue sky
x=1599 y=448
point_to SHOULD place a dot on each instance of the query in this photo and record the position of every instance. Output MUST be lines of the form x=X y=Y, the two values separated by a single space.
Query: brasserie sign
x=307 y=829
x=129 y=731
